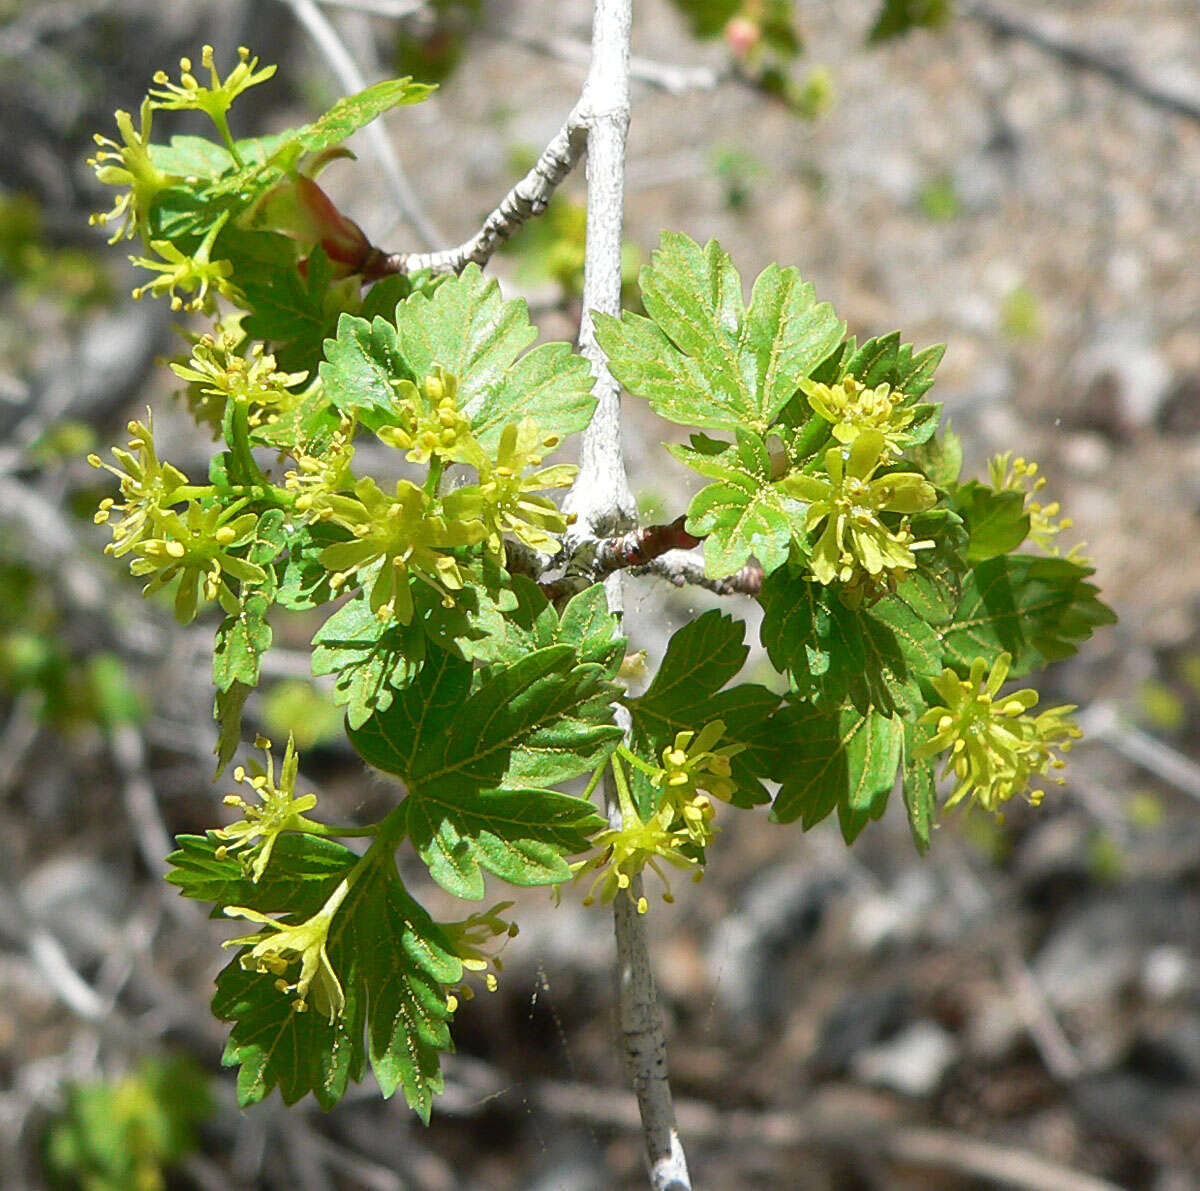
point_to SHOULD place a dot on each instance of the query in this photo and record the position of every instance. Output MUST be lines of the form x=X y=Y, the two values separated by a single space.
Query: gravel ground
x=1036 y=989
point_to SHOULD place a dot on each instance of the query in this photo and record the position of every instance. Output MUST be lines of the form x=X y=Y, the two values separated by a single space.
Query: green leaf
x=241 y=642
x=897 y=17
x=741 y=517
x=940 y=458
x=1037 y=609
x=825 y=759
x=305 y=580
x=996 y=521
x=393 y=965
x=304 y=871
x=702 y=358
x=920 y=786
x=888 y=361
x=370 y=657
x=520 y=835
x=227 y=711
x=470 y=330
x=688 y=692
x=585 y=624
x=541 y=720
x=467 y=327
x=293 y=311
x=361 y=368
x=347 y=116
x=192 y=156
x=870 y=657
x=933 y=590
x=274 y=1046
x=708 y=18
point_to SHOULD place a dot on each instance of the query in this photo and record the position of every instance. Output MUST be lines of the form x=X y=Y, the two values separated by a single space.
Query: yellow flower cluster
x=993 y=747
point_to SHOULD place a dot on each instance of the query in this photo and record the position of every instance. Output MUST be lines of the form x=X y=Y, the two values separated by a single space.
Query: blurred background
x=1019 y=181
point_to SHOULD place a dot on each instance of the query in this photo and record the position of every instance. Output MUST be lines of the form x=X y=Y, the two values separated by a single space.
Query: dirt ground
x=842 y=1020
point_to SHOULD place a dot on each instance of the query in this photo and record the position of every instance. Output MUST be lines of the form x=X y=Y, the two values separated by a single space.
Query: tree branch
x=682 y=569
x=1004 y=25
x=351 y=78
x=603 y=505
x=529 y=197
x=664 y=76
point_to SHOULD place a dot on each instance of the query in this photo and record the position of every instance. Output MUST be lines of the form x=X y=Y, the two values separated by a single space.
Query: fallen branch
x=1079 y=58
x=856 y=1129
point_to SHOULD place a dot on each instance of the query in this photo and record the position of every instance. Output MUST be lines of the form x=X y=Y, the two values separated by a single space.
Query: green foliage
x=844 y=760
x=691 y=688
x=897 y=17
x=124 y=1134
x=893 y=605
x=467 y=328
x=833 y=654
x=537 y=722
x=1037 y=609
x=702 y=357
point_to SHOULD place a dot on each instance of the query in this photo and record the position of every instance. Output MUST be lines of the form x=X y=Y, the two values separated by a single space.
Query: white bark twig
x=664 y=76
x=603 y=505
x=396 y=9
x=351 y=78
x=529 y=197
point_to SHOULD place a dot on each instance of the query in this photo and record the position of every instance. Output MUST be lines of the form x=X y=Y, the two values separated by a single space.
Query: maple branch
x=684 y=569
x=529 y=197
x=639 y=547
x=663 y=76
x=603 y=505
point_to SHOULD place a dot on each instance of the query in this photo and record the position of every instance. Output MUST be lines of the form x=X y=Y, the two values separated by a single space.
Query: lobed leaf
x=703 y=358
x=870 y=657
x=1036 y=609
x=688 y=692
x=393 y=965
x=843 y=758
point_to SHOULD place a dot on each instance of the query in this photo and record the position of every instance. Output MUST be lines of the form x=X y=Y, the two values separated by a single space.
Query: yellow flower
x=129 y=164
x=624 y=853
x=198 y=547
x=218 y=370
x=322 y=469
x=193 y=274
x=850 y=503
x=431 y=423
x=471 y=940
x=853 y=409
x=280 y=811
x=505 y=498
x=275 y=950
x=1045 y=524
x=147 y=486
x=995 y=747
x=189 y=94
x=402 y=532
